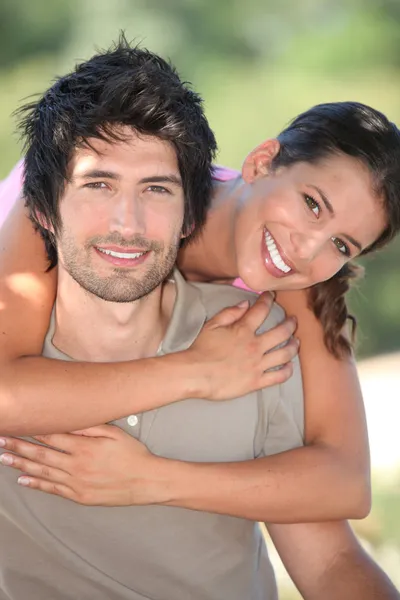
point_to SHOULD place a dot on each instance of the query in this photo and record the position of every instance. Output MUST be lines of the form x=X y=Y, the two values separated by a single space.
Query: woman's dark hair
x=363 y=133
x=122 y=86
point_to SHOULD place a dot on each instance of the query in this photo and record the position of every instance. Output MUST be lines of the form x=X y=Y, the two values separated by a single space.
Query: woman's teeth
x=121 y=254
x=275 y=256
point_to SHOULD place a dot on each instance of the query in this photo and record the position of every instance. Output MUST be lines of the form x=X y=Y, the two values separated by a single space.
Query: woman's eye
x=341 y=246
x=312 y=204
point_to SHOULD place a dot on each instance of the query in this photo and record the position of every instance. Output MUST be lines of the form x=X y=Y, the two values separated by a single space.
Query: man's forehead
x=136 y=152
x=126 y=139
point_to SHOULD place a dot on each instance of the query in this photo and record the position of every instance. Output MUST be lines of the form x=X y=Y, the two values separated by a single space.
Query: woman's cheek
x=326 y=267
x=287 y=212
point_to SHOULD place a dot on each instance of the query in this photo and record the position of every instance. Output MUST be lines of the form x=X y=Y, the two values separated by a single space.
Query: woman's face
x=300 y=224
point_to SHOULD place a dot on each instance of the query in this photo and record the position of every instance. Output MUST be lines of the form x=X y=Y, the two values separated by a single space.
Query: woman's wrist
x=183 y=377
x=162 y=483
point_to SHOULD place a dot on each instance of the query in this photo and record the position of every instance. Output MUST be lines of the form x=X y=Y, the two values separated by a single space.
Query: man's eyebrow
x=324 y=197
x=174 y=179
x=100 y=174
x=97 y=174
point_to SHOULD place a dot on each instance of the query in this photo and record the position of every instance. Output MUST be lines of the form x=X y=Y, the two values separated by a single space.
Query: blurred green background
x=257 y=63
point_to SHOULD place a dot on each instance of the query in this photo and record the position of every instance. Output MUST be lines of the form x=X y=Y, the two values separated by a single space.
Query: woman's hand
x=101 y=466
x=233 y=360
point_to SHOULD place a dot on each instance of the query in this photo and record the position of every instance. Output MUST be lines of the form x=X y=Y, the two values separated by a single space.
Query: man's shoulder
x=216 y=296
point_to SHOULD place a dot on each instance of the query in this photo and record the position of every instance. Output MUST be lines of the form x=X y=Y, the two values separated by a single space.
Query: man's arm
x=326 y=562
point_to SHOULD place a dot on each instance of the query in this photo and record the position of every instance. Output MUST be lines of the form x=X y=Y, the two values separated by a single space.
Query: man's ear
x=187 y=231
x=258 y=163
x=41 y=219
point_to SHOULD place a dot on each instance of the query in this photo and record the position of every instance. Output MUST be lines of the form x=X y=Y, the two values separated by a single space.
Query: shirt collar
x=188 y=317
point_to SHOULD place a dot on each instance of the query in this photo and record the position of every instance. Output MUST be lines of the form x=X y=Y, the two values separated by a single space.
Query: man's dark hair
x=124 y=85
x=359 y=131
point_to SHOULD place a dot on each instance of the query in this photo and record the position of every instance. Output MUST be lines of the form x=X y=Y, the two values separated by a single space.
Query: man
x=117 y=168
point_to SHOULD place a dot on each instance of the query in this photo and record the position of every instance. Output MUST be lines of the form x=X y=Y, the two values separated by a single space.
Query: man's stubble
x=122 y=285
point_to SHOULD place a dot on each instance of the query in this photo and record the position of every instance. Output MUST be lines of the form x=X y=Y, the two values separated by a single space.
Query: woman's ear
x=258 y=163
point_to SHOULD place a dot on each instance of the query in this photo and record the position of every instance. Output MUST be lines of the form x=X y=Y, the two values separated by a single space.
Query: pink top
x=224 y=173
x=10 y=188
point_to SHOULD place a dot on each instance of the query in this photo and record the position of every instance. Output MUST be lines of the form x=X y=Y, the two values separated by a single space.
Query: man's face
x=121 y=216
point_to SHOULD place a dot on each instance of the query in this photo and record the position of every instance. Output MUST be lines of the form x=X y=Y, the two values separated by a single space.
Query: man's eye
x=157 y=189
x=312 y=204
x=96 y=185
x=341 y=246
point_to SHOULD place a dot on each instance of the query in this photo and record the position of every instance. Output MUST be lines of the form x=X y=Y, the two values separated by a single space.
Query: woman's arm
x=335 y=423
x=326 y=480
x=326 y=562
x=40 y=395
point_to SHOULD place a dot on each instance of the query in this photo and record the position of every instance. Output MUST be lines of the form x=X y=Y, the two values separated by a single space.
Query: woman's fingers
x=107 y=431
x=280 y=356
x=277 y=376
x=49 y=487
x=36 y=453
x=279 y=335
x=34 y=469
x=257 y=314
x=228 y=315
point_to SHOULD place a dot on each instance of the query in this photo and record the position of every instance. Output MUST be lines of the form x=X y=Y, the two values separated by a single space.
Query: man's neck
x=211 y=256
x=90 y=329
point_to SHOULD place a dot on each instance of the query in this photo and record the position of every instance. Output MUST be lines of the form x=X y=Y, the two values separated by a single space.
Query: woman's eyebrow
x=324 y=198
x=353 y=241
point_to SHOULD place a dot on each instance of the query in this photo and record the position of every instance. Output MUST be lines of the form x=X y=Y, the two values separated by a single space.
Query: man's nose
x=306 y=246
x=128 y=215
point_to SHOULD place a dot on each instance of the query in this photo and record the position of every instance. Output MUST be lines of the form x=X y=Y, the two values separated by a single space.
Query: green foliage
x=386 y=509
x=375 y=302
x=34 y=28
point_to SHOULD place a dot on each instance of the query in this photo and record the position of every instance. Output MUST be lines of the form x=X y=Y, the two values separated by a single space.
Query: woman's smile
x=274 y=257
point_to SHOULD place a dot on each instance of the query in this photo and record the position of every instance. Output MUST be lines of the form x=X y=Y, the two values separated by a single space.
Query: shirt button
x=132 y=420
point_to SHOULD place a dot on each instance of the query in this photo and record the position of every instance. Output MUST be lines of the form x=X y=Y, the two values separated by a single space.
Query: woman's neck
x=212 y=255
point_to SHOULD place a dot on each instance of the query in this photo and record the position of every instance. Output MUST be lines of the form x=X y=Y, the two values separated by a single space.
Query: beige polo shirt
x=54 y=549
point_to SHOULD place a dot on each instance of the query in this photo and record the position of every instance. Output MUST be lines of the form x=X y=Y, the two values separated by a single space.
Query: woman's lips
x=273 y=256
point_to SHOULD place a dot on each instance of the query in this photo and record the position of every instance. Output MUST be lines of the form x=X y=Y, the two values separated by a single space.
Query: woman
x=290 y=222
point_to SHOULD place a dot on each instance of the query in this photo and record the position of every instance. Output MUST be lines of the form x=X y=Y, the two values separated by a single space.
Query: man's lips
x=122 y=249
x=121 y=256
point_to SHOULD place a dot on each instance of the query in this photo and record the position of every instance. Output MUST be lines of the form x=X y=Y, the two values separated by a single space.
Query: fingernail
x=297 y=341
x=267 y=296
x=6 y=459
x=243 y=304
x=23 y=480
x=2 y=442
